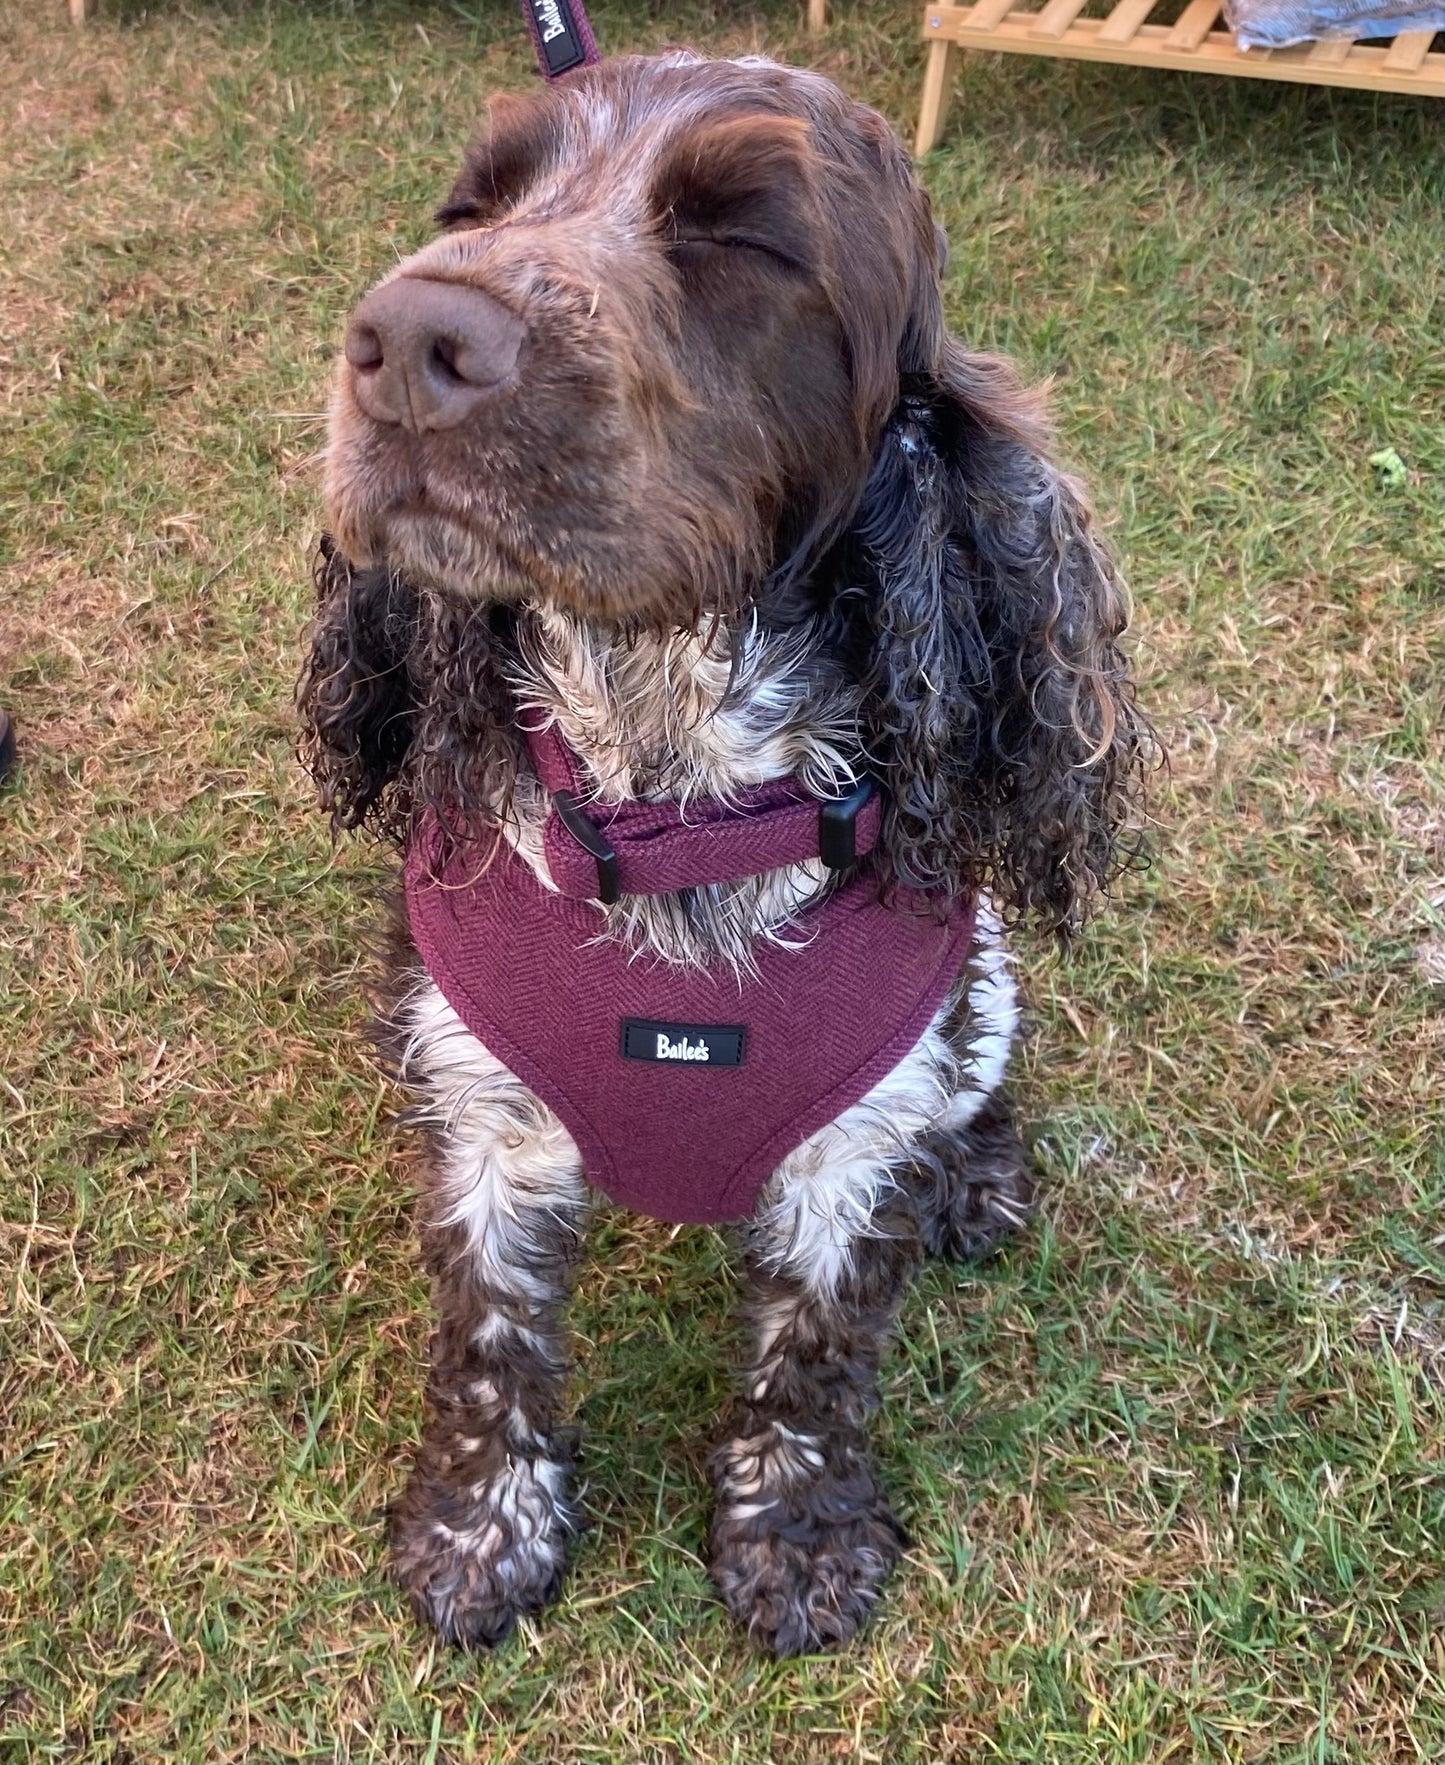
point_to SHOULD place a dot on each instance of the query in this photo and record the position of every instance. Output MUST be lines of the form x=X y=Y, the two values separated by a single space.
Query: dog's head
x=678 y=351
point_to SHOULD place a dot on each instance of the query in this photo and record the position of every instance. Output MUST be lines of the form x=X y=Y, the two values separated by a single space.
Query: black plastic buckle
x=592 y=841
x=838 y=824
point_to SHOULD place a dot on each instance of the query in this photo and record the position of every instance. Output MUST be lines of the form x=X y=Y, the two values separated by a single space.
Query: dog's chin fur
x=448 y=558
x=464 y=561
x=830 y=544
x=444 y=555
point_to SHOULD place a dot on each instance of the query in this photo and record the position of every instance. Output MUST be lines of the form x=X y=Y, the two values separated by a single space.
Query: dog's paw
x=974 y=1187
x=474 y=1560
x=986 y=1207
x=802 y=1539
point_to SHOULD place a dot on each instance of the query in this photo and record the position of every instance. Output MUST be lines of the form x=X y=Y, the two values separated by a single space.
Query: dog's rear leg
x=972 y=1184
x=971 y=1178
x=480 y=1536
x=802 y=1536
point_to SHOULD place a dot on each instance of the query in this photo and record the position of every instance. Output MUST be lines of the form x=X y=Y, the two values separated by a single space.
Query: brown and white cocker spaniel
x=664 y=511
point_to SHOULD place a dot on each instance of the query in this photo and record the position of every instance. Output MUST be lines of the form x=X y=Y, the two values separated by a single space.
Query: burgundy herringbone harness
x=683 y=1089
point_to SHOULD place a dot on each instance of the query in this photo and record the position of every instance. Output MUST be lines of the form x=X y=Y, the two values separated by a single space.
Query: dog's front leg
x=479 y=1538
x=802 y=1536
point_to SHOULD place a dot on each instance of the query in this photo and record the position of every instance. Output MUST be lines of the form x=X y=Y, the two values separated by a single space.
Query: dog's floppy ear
x=355 y=695
x=997 y=704
x=404 y=704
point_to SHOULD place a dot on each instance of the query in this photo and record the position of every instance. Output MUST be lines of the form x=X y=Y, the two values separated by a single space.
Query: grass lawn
x=1172 y=1465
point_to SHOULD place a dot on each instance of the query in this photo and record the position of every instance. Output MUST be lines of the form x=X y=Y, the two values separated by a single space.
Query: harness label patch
x=692 y=1044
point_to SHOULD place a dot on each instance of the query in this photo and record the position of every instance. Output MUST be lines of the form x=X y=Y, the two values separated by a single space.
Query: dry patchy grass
x=1172 y=1464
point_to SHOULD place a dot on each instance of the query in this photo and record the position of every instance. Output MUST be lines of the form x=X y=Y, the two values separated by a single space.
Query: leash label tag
x=559 y=41
x=683 y=1044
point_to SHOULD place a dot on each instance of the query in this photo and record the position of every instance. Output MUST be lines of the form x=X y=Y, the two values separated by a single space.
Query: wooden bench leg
x=817 y=16
x=937 y=89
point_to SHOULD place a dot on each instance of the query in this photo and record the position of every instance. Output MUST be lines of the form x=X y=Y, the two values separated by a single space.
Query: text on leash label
x=558 y=35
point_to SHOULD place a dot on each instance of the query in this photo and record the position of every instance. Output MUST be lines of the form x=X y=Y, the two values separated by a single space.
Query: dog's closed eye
x=744 y=184
x=521 y=141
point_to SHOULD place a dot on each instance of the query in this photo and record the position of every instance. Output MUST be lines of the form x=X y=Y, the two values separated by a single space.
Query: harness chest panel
x=683 y=1089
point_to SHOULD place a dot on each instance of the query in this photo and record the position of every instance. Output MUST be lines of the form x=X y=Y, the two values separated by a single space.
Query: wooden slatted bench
x=1408 y=64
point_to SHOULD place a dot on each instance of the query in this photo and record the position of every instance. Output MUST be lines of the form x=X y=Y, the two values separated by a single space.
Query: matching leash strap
x=599 y=851
x=561 y=36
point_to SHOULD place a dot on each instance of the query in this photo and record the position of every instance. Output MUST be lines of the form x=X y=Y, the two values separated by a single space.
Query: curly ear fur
x=998 y=707
x=403 y=704
x=355 y=695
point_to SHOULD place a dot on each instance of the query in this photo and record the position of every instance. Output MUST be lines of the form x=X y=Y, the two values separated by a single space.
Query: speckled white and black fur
x=742 y=508
x=801 y=1538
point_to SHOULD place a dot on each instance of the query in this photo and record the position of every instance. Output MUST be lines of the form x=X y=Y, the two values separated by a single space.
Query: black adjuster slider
x=838 y=825
x=592 y=841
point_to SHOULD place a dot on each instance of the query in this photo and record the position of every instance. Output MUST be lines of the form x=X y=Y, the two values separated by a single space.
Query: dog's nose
x=425 y=354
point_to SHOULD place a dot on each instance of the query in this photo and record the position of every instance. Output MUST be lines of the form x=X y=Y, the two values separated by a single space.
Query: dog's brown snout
x=426 y=354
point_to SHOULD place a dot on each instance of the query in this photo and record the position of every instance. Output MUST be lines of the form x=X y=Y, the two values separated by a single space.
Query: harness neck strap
x=561 y=36
x=600 y=851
